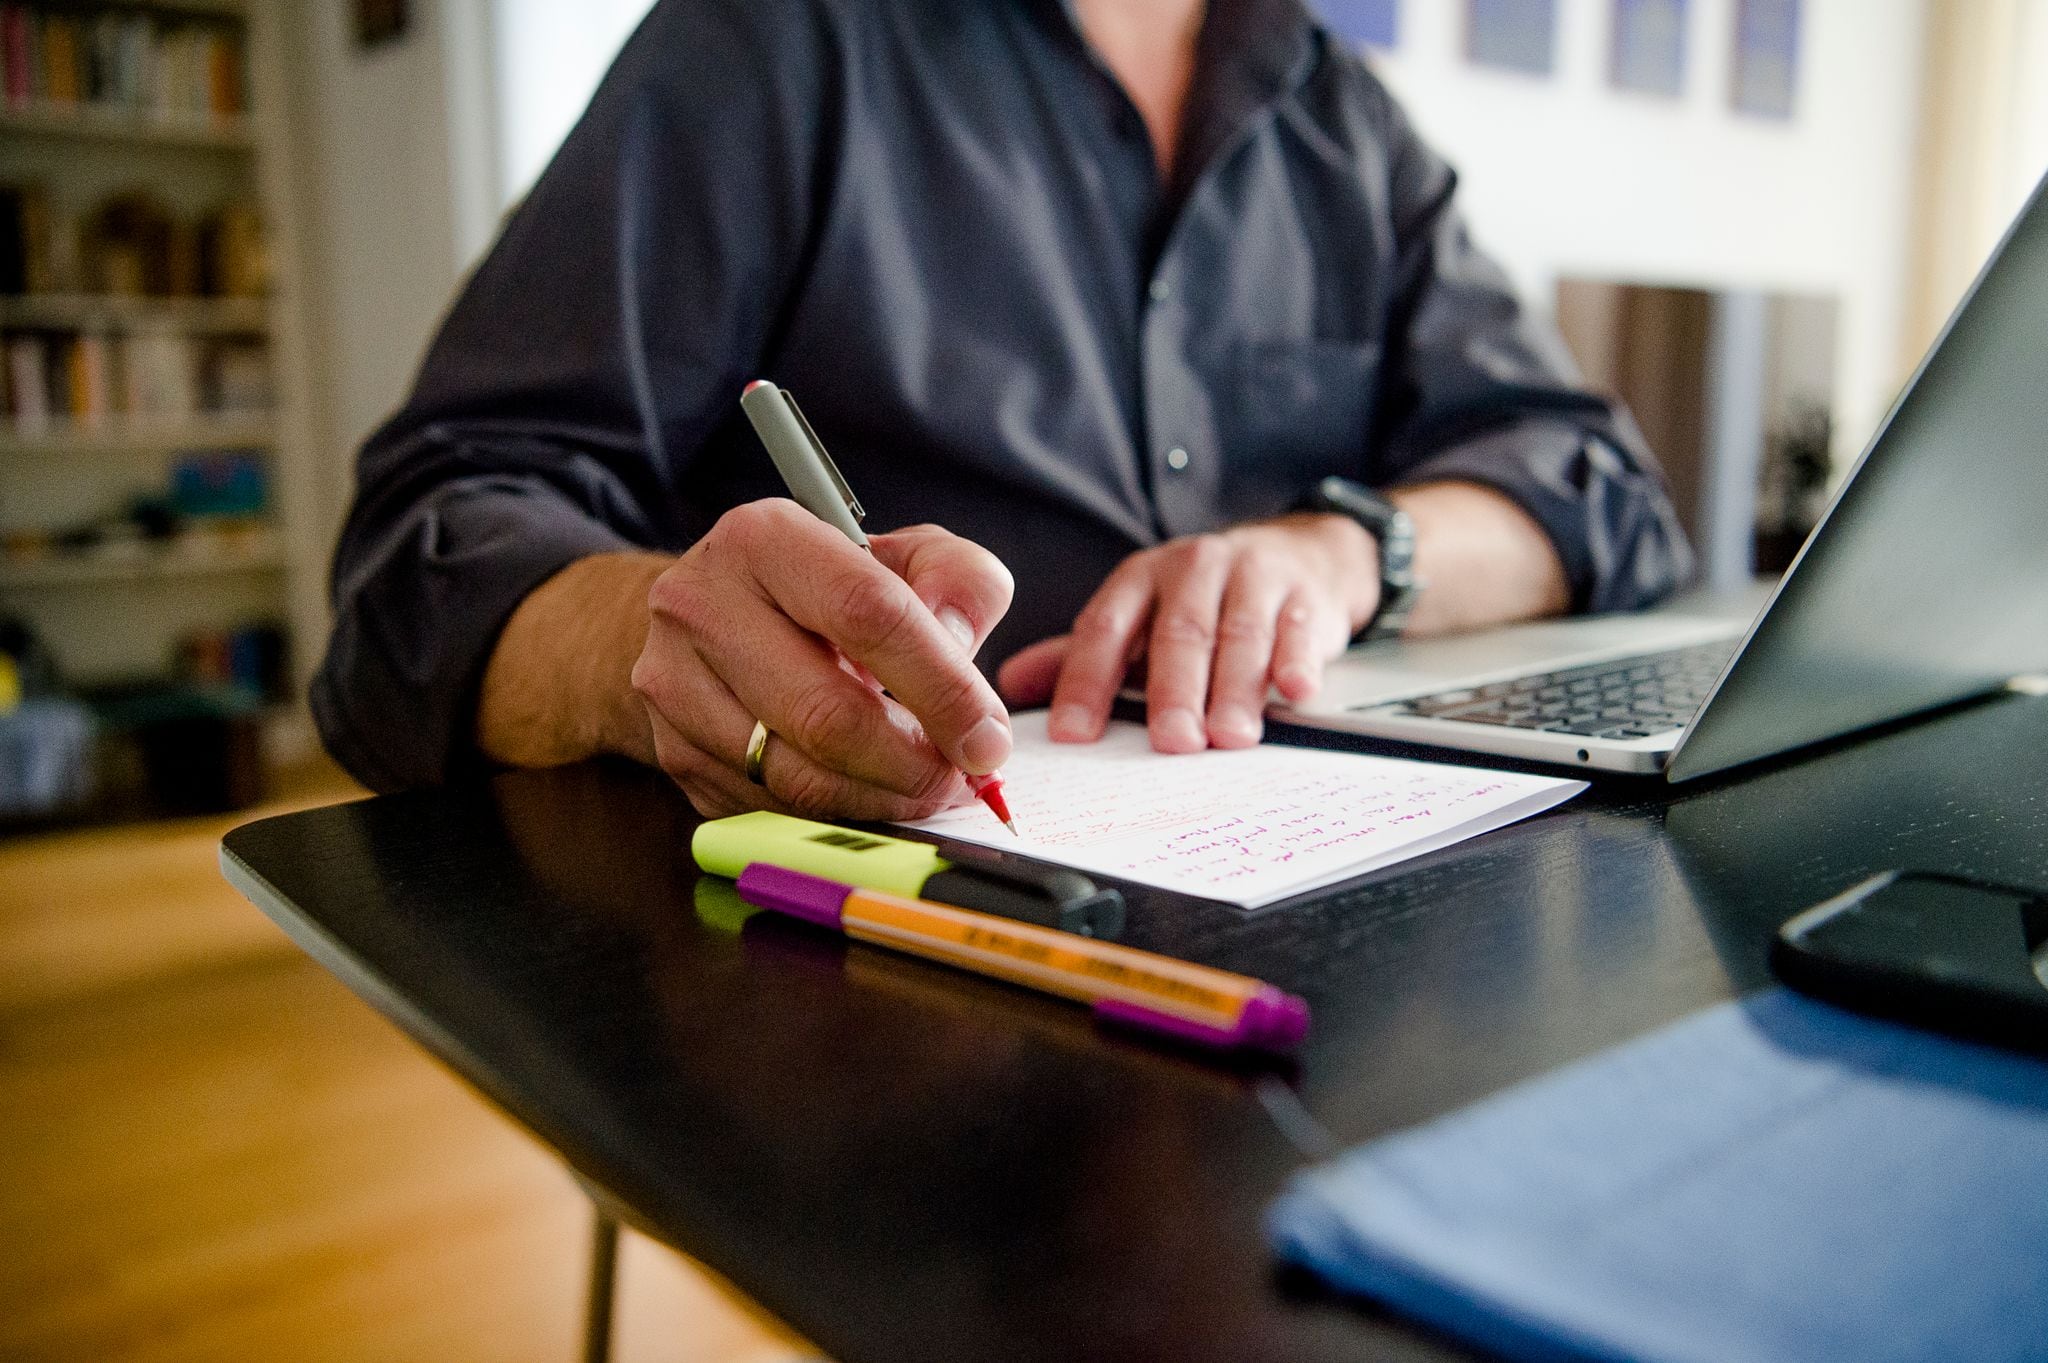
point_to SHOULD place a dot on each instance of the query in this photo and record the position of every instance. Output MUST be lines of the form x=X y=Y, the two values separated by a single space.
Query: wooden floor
x=209 y=1150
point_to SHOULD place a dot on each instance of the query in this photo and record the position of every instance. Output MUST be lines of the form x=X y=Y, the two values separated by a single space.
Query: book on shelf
x=61 y=60
x=234 y=254
x=148 y=376
x=119 y=58
x=237 y=378
x=28 y=384
x=85 y=368
x=26 y=265
x=158 y=374
x=20 y=59
x=251 y=656
x=130 y=244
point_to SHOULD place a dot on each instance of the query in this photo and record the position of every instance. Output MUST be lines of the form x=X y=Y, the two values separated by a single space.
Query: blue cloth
x=1771 y=1179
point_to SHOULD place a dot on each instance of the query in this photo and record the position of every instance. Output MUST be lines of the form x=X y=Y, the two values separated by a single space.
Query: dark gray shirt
x=940 y=224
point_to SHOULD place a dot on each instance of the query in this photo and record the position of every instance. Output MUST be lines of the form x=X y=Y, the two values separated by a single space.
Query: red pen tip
x=991 y=793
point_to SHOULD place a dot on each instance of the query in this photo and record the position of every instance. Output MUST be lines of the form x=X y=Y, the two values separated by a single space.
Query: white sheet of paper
x=1246 y=826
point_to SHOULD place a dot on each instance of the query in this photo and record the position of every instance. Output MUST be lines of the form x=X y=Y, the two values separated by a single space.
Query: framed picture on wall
x=1373 y=23
x=1649 y=47
x=1514 y=35
x=378 y=22
x=1764 y=78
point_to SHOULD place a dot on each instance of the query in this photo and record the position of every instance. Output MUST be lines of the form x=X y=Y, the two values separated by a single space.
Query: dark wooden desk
x=911 y=1164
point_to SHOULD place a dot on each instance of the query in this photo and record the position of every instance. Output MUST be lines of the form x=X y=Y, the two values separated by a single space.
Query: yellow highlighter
x=989 y=882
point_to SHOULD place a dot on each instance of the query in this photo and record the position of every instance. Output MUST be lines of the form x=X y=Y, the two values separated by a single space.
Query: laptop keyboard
x=1635 y=697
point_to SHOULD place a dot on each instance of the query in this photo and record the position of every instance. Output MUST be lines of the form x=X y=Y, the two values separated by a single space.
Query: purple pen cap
x=811 y=898
x=1272 y=1020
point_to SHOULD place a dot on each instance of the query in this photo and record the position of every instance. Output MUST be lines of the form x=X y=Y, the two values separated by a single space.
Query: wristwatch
x=1394 y=533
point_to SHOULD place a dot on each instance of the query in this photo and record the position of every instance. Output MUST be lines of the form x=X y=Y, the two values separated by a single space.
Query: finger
x=1029 y=675
x=722 y=631
x=1245 y=629
x=963 y=584
x=684 y=701
x=829 y=588
x=1300 y=648
x=1099 y=652
x=1183 y=643
x=806 y=698
x=714 y=790
x=712 y=771
x=800 y=785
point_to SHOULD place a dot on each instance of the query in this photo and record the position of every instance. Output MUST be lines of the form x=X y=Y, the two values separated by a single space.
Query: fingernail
x=959 y=626
x=1179 y=731
x=1235 y=724
x=986 y=746
x=1298 y=682
x=1070 y=724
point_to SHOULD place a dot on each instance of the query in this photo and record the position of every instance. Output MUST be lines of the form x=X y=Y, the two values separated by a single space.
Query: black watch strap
x=1394 y=533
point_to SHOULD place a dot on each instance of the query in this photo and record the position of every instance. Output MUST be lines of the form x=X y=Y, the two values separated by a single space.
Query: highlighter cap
x=811 y=898
x=1050 y=896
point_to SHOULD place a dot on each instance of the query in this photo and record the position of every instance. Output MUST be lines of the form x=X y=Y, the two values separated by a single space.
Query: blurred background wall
x=1567 y=176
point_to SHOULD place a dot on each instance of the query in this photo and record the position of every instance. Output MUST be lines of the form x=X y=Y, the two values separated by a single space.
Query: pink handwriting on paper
x=1248 y=825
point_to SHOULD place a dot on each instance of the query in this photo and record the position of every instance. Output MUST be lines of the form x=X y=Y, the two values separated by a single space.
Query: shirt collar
x=1261 y=46
x=1251 y=54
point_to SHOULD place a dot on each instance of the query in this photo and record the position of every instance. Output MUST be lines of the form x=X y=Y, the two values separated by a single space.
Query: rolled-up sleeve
x=1479 y=390
x=604 y=336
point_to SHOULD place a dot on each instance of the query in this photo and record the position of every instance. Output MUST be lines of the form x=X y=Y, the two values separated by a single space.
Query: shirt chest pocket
x=1300 y=412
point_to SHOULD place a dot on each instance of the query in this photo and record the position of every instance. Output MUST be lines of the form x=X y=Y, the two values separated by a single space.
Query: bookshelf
x=159 y=489
x=65 y=440
x=140 y=129
x=76 y=311
x=259 y=553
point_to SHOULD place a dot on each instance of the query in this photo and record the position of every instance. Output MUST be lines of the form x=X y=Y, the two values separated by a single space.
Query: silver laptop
x=1925 y=583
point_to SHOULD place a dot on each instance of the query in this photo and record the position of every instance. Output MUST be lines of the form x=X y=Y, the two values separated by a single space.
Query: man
x=1105 y=287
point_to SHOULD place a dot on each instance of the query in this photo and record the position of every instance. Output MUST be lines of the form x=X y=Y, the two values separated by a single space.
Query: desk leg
x=604 y=1264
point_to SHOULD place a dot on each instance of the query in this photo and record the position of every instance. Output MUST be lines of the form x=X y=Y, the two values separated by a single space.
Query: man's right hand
x=772 y=616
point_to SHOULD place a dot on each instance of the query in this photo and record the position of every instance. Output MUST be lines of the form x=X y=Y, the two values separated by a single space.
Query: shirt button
x=1160 y=291
x=1176 y=459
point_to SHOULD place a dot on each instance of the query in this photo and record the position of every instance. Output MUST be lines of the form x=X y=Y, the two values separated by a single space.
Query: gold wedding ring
x=757 y=748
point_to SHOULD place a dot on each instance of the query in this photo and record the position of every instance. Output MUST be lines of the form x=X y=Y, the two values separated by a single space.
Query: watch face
x=1357 y=501
x=1397 y=546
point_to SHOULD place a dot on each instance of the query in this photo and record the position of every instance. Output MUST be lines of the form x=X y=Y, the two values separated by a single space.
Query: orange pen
x=1124 y=985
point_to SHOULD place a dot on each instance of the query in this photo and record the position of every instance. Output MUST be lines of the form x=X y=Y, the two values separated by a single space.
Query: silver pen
x=817 y=486
x=809 y=473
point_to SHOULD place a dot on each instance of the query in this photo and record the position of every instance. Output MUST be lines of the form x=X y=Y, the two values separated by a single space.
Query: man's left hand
x=1217 y=619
